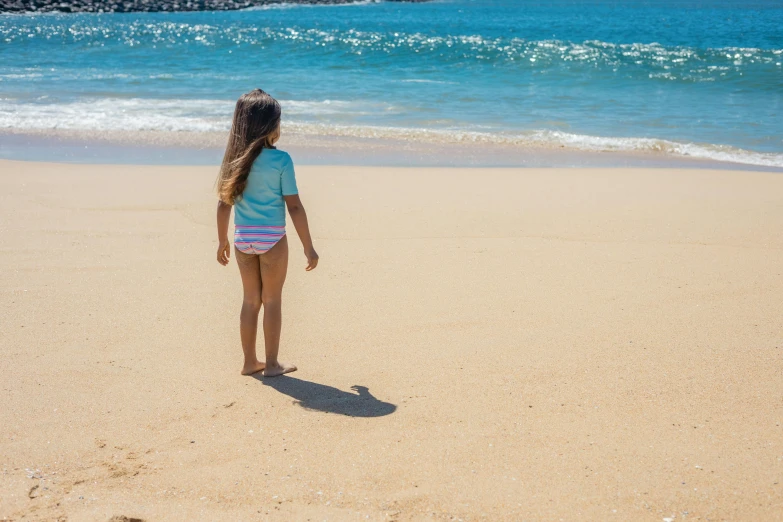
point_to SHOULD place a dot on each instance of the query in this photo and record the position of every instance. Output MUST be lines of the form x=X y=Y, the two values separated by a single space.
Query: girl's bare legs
x=274 y=266
x=250 y=270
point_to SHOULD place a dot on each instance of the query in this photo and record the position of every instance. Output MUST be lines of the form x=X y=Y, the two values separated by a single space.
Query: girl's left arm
x=224 y=247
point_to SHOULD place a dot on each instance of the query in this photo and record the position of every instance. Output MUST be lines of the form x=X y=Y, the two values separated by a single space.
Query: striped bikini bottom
x=253 y=239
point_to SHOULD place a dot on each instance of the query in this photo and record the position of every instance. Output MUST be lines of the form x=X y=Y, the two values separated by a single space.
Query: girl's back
x=271 y=178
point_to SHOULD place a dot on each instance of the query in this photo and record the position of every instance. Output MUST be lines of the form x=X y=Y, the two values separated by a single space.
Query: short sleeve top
x=271 y=177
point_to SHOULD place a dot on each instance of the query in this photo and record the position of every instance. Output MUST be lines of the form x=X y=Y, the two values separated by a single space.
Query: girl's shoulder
x=277 y=155
x=275 y=158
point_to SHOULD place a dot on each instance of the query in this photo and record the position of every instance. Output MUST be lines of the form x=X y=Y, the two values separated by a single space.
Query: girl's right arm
x=224 y=248
x=299 y=217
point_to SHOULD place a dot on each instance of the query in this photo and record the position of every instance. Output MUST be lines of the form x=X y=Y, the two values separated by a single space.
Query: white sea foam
x=132 y=114
x=129 y=115
x=707 y=151
x=137 y=114
x=333 y=107
x=550 y=139
x=421 y=80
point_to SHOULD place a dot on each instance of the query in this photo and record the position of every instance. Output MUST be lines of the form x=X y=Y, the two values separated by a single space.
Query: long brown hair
x=256 y=126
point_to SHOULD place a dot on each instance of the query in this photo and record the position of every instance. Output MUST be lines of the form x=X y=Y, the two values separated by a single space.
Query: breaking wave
x=129 y=115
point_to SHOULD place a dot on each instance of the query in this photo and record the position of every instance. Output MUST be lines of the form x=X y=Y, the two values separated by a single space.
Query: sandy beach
x=476 y=344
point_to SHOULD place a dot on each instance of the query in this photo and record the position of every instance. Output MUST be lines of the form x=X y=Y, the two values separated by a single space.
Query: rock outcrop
x=126 y=6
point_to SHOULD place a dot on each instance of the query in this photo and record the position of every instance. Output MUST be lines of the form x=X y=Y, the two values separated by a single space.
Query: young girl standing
x=258 y=181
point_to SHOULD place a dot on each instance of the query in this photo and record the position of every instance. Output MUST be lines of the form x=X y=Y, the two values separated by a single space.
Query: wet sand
x=475 y=344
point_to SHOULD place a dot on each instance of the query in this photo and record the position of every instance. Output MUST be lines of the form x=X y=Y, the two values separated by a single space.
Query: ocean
x=666 y=79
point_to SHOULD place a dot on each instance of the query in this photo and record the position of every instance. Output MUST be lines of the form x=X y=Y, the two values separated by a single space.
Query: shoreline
x=598 y=343
x=206 y=148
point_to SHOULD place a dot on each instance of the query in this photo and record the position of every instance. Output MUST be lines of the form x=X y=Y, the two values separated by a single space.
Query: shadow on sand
x=319 y=397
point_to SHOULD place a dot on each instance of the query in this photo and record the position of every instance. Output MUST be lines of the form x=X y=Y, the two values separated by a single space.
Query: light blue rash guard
x=271 y=177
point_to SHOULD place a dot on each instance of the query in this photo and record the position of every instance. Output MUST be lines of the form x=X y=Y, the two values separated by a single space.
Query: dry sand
x=527 y=345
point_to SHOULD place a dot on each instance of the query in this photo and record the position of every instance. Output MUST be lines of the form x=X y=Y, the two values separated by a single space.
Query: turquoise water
x=700 y=79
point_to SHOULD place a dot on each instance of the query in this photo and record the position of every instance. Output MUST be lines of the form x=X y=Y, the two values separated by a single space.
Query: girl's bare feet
x=279 y=369
x=253 y=368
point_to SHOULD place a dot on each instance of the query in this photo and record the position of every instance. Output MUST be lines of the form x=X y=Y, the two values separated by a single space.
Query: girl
x=256 y=178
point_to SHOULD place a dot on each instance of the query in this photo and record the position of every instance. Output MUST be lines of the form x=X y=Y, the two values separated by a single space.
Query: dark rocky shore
x=129 y=6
